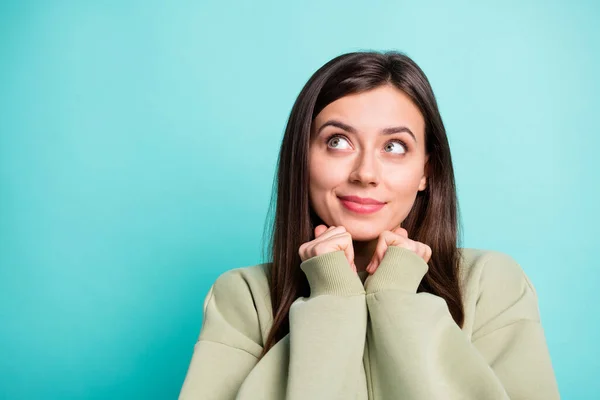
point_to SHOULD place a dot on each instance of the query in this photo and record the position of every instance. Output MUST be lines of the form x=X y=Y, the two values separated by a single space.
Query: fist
x=398 y=237
x=328 y=240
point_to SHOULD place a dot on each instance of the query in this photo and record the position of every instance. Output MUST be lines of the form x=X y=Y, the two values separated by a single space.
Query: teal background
x=138 y=143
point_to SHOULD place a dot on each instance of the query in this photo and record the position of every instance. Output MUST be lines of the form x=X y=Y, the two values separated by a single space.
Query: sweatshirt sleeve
x=327 y=331
x=418 y=351
x=326 y=340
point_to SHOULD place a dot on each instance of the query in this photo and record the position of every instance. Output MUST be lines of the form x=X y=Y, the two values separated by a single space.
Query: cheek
x=403 y=189
x=325 y=175
x=404 y=184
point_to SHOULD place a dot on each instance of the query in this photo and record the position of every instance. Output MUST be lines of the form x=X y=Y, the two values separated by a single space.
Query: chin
x=363 y=233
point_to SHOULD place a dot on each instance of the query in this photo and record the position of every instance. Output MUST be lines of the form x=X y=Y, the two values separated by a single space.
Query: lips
x=361 y=205
x=361 y=200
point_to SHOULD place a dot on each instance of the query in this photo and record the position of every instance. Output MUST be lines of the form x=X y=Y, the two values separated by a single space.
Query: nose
x=366 y=171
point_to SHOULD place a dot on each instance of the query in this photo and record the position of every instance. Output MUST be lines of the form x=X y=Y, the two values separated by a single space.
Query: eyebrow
x=348 y=128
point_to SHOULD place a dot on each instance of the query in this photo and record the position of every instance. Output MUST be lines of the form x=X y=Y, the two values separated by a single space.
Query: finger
x=428 y=252
x=380 y=249
x=414 y=246
x=386 y=239
x=348 y=249
x=332 y=230
x=376 y=258
x=319 y=230
x=401 y=231
x=345 y=244
x=420 y=249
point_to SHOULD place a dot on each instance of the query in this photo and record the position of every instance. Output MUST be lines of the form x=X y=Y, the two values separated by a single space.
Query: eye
x=335 y=140
x=402 y=146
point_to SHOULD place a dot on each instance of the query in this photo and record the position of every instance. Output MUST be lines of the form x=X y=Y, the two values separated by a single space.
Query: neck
x=363 y=252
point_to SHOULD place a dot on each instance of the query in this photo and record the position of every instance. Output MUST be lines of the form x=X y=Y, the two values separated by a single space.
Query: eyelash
x=345 y=138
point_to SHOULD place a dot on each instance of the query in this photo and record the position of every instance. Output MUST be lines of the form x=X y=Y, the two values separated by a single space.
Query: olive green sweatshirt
x=373 y=336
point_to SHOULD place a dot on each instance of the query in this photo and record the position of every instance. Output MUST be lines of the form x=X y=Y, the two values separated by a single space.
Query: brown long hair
x=433 y=219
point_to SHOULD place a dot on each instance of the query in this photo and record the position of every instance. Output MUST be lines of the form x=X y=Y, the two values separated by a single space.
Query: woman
x=368 y=295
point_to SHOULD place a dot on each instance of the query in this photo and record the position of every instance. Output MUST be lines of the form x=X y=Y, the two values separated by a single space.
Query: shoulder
x=241 y=299
x=492 y=267
x=242 y=286
x=494 y=284
x=249 y=280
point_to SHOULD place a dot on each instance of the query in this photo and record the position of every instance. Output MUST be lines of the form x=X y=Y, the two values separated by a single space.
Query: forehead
x=374 y=110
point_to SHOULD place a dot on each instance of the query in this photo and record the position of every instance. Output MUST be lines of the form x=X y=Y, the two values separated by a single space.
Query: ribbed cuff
x=330 y=273
x=400 y=269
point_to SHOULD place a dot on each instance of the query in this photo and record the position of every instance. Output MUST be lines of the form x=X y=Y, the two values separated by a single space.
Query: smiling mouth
x=361 y=208
x=361 y=200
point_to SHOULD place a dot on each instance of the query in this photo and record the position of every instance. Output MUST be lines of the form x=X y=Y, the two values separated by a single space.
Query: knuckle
x=303 y=246
x=318 y=249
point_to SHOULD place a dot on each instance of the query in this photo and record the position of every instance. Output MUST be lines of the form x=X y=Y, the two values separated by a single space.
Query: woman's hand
x=328 y=240
x=398 y=237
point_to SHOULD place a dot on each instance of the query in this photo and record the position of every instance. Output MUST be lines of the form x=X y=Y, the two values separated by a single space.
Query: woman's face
x=363 y=145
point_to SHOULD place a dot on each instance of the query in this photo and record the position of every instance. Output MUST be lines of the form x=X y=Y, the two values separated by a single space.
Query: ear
x=423 y=182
